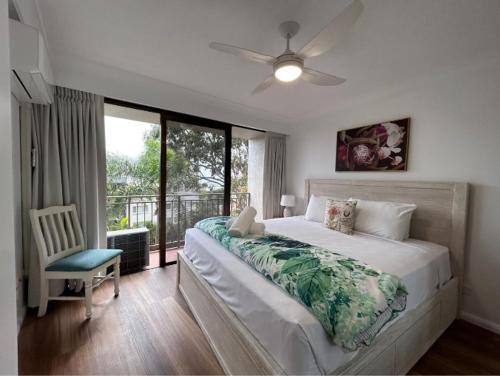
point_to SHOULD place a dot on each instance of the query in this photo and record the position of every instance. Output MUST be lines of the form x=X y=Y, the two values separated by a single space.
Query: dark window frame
x=168 y=115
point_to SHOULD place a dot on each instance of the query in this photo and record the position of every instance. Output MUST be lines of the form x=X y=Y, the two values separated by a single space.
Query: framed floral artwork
x=378 y=147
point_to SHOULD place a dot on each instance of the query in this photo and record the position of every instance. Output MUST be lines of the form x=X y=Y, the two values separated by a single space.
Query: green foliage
x=153 y=231
x=123 y=223
x=116 y=223
x=300 y=264
x=147 y=167
x=195 y=163
x=311 y=285
x=204 y=152
x=289 y=253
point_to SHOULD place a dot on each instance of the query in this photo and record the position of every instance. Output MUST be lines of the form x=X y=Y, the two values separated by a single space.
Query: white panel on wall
x=256 y=148
x=16 y=153
x=455 y=136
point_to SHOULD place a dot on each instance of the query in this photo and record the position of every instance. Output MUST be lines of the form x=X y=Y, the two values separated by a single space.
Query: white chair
x=63 y=255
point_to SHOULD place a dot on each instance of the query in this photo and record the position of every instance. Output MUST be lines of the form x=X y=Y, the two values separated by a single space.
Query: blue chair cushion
x=83 y=261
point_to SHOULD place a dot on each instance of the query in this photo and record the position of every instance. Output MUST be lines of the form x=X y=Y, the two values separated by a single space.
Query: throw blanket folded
x=242 y=223
x=256 y=228
x=351 y=300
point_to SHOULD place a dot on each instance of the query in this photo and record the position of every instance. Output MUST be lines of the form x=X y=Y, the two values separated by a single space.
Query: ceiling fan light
x=288 y=67
x=288 y=73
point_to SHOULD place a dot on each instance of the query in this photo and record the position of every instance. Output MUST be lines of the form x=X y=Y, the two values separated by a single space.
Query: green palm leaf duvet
x=351 y=300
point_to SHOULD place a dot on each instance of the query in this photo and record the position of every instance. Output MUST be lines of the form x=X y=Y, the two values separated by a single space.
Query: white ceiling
x=394 y=41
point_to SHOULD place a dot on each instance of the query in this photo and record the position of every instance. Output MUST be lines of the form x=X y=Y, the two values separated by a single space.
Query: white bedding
x=284 y=327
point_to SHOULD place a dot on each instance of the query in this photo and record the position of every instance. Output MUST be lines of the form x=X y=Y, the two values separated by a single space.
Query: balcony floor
x=154 y=257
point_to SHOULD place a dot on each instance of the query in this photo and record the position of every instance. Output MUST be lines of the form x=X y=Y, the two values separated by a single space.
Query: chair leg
x=44 y=297
x=88 y=298
x=116 y=274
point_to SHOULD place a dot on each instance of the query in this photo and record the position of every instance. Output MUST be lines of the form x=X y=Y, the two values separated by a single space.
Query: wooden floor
x=464 y=349
x=149 y=330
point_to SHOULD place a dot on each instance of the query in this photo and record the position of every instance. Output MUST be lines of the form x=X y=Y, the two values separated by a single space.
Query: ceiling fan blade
x=320 y=78
x=328 y=37
x=242 y=52
x=264 y=85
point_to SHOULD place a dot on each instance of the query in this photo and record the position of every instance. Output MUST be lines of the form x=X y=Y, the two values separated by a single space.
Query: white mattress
x=290 y=333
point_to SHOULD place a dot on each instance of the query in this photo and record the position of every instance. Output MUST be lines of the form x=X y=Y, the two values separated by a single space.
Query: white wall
x=455 y=136
x=77 y=73
x=28 y=13
x=8 y=327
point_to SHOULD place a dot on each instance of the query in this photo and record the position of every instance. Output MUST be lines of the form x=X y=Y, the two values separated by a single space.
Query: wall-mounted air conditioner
x=31 y=75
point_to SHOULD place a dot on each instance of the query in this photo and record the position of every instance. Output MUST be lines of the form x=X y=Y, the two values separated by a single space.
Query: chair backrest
x=57 y=232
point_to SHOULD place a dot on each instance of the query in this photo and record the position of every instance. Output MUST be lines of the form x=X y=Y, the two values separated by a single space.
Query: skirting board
x=394 y=351
x=479 y=321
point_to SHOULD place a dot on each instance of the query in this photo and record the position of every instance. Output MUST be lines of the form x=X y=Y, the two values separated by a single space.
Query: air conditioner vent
x=31 y=76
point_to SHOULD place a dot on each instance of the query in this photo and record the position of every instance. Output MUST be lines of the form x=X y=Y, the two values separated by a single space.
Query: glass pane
x=195 y=177
x=133 y=170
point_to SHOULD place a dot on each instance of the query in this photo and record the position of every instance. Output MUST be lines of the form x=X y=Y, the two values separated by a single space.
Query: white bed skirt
x=394 y=351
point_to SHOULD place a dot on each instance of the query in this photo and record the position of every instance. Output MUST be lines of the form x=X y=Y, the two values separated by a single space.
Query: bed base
x=394 y=351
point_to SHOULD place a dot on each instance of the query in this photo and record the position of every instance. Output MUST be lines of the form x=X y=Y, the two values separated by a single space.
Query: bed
x=256 y=328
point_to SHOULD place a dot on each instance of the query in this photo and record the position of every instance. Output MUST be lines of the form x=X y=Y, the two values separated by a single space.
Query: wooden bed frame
x=441 y=217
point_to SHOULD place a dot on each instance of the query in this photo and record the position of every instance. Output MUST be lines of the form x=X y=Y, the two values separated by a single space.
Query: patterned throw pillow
x=339 y=215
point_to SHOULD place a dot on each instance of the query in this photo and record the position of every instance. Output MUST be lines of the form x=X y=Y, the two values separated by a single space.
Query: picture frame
x=377 y=147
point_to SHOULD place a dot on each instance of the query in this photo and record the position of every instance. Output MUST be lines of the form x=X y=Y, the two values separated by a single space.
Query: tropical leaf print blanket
x=351 y=300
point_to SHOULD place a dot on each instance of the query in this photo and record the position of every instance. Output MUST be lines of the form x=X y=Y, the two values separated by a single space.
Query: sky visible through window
x=125 y=137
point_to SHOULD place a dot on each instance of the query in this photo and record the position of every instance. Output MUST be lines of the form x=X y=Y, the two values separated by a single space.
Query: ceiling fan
x=289 y=66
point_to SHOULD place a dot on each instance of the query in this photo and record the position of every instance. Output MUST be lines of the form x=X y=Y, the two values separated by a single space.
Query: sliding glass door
x=196 y=177
x=133 y=185
x=167 y=170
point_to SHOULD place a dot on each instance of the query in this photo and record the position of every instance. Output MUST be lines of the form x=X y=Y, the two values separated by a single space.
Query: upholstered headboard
x=441 y=215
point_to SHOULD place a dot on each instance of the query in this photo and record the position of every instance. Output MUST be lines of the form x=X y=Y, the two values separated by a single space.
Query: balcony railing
x=182 y=212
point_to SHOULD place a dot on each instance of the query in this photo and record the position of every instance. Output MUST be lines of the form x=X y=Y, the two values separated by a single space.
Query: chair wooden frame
x=58 y=234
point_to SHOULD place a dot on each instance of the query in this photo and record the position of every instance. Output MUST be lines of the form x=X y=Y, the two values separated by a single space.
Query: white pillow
x=387 y=219
x=316 y=209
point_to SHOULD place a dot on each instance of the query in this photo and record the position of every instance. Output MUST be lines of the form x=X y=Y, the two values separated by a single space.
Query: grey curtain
x=274 y=174
x=68 y=165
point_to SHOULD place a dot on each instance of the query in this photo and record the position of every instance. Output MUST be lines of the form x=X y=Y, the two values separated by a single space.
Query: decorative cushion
x=83 y=261
x=339 y=215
